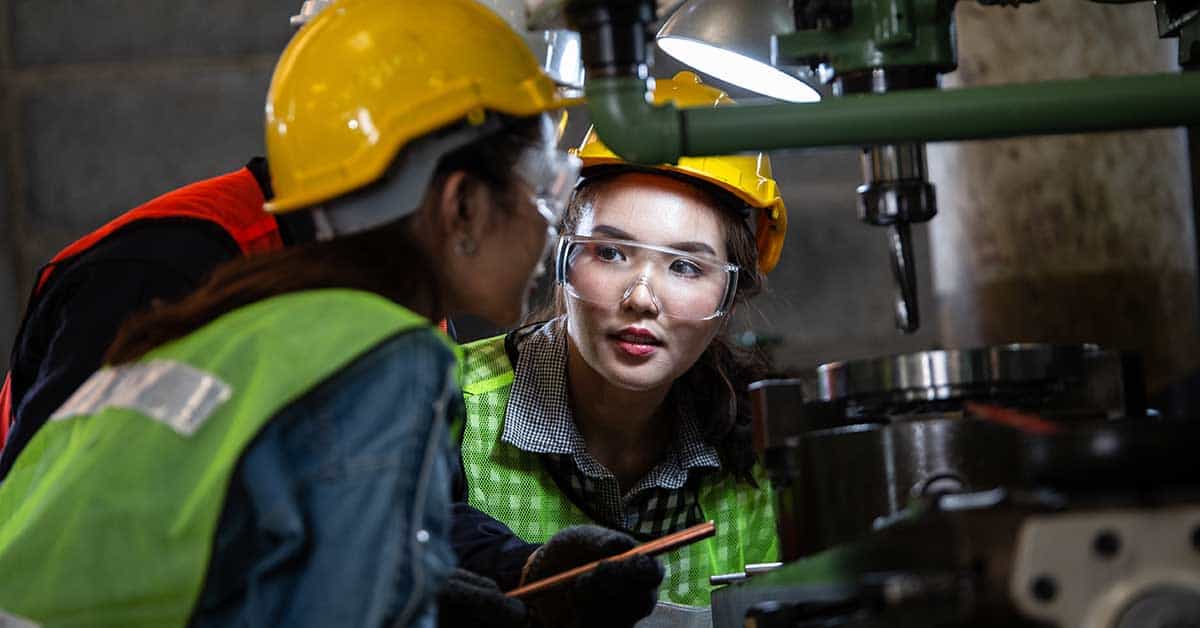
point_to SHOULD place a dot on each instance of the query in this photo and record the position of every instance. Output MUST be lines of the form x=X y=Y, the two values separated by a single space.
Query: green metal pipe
x=644 y=133
x=624 y=117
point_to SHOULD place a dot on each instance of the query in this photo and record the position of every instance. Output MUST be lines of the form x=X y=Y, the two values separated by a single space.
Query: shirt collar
x=538 y=418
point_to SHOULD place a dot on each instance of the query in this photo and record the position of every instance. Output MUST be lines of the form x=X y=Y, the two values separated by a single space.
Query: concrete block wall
x=108 y=103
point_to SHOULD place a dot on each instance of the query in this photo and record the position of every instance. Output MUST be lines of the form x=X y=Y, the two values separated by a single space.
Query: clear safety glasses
x=683 y=285
x=551 y=174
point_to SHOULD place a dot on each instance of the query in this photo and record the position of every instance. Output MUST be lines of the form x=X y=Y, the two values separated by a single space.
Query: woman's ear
x=464 y=210
x=448 y=202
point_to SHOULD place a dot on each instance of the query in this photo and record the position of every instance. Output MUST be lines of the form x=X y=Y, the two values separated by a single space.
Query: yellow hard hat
x=365 y=78
x=748 y=177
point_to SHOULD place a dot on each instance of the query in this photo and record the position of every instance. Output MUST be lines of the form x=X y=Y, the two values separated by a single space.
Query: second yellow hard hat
x=748 y=177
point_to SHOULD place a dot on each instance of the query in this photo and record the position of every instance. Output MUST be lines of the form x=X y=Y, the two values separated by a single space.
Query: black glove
x=615 y=595
x=469 y=599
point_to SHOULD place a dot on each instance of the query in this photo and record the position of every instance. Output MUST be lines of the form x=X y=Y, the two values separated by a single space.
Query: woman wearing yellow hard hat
x=272 y=450
x=628 y=407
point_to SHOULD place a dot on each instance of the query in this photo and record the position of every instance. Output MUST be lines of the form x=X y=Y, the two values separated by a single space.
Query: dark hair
x=720 y=377
x=385 y=260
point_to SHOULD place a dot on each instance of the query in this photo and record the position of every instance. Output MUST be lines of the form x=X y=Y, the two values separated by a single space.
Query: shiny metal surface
x=894 y=202
x=951 y=373
x=671 y=615
x=840 y=482
x=732 y=40
x=896 y=194
x=741 y=26
x=895 y=190
x=727 y=578
x=757 y=568
x=558 y=51
x=738 y=576
x=856 y=447
x=893 y=162
x=904 y=274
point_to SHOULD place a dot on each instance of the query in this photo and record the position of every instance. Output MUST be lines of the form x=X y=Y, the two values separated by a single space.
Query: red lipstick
x=636 y=341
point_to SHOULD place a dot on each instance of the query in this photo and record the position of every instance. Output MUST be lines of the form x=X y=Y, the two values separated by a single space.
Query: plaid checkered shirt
x=539 y=420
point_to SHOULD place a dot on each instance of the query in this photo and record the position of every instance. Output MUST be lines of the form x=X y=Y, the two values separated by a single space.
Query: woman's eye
x=609 y=253
x=686 y=268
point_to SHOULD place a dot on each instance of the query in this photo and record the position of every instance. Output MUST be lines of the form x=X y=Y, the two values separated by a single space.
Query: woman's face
x=511 y=252
x=509 y=263
x=633 y=344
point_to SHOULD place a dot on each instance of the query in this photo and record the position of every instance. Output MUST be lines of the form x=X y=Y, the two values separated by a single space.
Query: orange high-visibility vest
x=233 y=201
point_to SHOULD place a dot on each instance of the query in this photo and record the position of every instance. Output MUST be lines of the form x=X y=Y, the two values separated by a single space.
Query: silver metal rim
x=944 y=374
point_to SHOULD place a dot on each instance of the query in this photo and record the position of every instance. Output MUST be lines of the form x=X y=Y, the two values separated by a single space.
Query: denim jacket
x=338 y=513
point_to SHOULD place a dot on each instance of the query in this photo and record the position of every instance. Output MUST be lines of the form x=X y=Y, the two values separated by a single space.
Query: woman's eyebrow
x=613 y=232
x=694 y=247
x=620 y=234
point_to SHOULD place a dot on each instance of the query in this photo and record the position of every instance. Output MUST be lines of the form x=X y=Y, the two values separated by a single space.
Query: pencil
x=651 y=548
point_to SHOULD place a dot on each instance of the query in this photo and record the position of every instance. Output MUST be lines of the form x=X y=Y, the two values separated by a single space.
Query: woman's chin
x=639 y=378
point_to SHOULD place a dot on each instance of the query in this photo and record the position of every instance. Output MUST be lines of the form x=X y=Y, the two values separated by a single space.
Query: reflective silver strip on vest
x=174 y=393
x=8 y=620
x=671 y=615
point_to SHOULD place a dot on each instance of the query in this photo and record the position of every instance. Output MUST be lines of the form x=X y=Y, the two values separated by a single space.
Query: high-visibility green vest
x=108 y=516
x=512 y=486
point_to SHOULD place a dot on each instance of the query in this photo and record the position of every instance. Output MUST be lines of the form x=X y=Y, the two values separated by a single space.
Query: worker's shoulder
x=186 y=246
x=409 y=365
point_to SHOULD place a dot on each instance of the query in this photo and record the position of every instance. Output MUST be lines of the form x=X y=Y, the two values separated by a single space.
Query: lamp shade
x=731 y=40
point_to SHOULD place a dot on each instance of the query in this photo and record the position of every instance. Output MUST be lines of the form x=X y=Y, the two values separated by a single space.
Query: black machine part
x=838 y=485
x=884 y=432
x=614 y=35
x=931 y=568
x=1020 y=560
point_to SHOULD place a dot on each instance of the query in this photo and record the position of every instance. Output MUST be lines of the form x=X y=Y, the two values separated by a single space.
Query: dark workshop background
x=108 y=103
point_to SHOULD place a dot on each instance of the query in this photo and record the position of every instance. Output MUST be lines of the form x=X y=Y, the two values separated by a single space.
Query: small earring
x=466 y=247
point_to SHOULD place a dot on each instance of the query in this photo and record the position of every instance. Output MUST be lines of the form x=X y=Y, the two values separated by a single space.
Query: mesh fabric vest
x=512 y=486
x=108 y=517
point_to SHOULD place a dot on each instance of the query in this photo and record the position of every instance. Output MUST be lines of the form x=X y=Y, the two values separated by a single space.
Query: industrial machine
x=1019 y=485
x=886 y=46
x=882 y=59
x=876 y=434
x=911 y=492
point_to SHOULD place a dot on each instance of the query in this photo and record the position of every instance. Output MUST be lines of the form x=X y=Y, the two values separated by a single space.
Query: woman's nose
x=640 y=299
